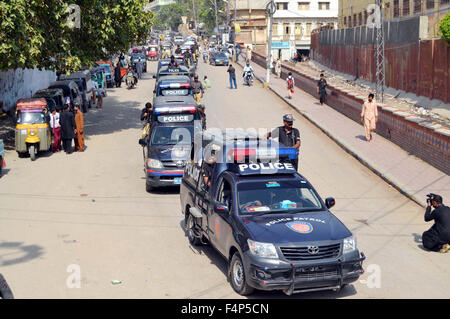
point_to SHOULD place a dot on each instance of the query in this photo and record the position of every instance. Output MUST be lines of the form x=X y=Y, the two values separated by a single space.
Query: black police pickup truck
x=174 y=122
x=178 y=85
x=249 y=203
x=165 y=70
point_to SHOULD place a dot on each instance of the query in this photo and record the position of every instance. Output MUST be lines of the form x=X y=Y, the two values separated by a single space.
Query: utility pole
x=270 y=9
x=379 y=54
x=215 y=12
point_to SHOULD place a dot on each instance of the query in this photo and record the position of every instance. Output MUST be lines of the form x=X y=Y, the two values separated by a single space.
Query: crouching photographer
x=437 y=238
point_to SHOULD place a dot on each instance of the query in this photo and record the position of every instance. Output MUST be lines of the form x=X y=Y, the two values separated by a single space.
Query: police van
x=179 y=85
x=243 y=197
x=168 y=146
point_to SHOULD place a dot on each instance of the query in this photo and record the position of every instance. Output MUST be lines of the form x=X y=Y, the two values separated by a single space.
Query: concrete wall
x=19 y=83
x=412 y=65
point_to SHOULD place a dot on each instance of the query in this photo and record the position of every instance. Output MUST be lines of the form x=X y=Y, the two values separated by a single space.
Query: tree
x=444 y=28
x=36 y=32
x=170 y=16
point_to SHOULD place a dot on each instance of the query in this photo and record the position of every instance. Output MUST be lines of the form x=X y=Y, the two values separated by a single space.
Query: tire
x=32 y=152
x=237 y=276
x=194 y=241
x=5 y=291
x=148 y=188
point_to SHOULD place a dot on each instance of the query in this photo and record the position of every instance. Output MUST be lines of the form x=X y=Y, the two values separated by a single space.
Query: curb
x=385 y=176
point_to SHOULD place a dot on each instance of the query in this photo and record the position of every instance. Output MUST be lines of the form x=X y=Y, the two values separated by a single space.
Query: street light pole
x=271 y=9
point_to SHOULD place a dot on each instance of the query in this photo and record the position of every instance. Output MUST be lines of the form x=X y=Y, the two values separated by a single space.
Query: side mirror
x=154 y=76
x=154 y=91
x=330 y=202
x=142 y=142
x=221 y=209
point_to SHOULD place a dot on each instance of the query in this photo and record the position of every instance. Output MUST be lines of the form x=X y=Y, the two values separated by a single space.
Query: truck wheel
x=5 y=291
x=194 y=241
x=148 y=188
x=237 y=276
x=32 y=152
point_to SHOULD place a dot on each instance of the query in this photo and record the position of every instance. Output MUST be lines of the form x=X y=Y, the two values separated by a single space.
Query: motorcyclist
x=205 y=56
x=248 y=68
x=131 y=70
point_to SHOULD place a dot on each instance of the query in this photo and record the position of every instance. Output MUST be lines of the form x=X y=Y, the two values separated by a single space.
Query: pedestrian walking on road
x=437 y=238
x=288 y=136
x=232 y=72
x=198 y=90
x=139 y=68
x=369 y=116
x=290 y=81
x=278 y=67
x=79 y=136
x=321 y=89
x=56 y=130
x=68 y=129
x=206 y=83
x=117 y=76
x=248 y=54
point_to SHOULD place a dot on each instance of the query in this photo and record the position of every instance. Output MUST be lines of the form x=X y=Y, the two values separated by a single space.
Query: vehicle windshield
x=106 y=67
x=31 y=118
x=172 y=135
x=220 y=55
x=276 y=197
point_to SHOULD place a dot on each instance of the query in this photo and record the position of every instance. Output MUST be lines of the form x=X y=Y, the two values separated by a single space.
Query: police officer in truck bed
x=287 y=135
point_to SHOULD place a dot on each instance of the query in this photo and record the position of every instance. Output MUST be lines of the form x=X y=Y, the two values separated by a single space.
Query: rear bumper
x=295 y=278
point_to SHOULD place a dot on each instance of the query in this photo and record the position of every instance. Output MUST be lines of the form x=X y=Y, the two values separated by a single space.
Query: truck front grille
x=304 y=253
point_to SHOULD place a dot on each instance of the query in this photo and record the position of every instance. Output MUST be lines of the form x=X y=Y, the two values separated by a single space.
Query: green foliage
x=170 y=16
x=36 y=33
x=444 y=28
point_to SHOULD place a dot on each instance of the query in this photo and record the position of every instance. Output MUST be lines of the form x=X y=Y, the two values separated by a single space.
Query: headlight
x=262 y=249
x=349 y=244
x=153 y=163
x=32 y=132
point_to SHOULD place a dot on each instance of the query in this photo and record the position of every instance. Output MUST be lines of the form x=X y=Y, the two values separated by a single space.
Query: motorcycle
x=130 y=80
x=248 y=78
x=205 y=57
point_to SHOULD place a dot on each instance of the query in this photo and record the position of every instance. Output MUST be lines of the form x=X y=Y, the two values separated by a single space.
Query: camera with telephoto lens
x=430 y=197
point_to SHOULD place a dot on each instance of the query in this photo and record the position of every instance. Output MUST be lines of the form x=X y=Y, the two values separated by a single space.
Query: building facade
x=353 y=13
x=294 y=21
x=252 y=19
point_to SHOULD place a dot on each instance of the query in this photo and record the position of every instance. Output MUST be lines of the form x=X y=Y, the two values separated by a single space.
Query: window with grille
x=350 y=21
x=406 y=10
x=396 y=8
x=302 y=6
x=365 y=17
x=324 y=6
x=282 y=5
x=445 y=2
x=430 y=4
x=417 y=6
x=360 y=18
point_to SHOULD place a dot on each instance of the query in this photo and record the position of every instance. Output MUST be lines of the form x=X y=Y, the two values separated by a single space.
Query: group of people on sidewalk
x=67 y=125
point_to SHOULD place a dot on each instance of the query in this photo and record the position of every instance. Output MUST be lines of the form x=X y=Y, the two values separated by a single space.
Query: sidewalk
x=411 y=176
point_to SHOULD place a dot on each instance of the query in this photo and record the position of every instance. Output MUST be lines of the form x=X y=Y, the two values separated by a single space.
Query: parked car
x=84 y=82
x=70 y=89
x=54 y=97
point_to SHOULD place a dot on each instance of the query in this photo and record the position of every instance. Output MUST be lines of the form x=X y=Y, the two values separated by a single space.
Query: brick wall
x=423 y=142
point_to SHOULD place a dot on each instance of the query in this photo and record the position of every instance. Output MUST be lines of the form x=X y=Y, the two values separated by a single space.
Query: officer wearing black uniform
x=437 y=238
x=287 y=135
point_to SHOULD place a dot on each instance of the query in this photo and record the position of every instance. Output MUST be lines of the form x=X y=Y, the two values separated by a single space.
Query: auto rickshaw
x=32 y=128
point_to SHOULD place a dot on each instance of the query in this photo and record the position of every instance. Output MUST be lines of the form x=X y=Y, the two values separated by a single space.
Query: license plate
x=177 y=180
x=220 y=62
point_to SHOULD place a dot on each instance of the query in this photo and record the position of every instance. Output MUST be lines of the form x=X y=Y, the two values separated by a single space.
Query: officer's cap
x=288 y=118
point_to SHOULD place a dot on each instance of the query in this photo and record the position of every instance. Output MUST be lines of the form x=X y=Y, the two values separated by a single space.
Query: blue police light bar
x=292 y=153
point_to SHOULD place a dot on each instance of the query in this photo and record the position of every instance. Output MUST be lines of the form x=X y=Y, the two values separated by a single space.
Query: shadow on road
x=217 y=259
x=12 y=253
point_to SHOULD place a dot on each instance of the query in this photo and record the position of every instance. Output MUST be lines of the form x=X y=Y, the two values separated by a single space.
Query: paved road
x=91 y=209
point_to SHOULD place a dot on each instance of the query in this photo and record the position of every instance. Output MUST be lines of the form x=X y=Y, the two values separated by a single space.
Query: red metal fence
x=422 y=68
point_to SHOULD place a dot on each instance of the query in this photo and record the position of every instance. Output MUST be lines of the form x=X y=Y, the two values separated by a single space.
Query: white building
x=295 y=19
